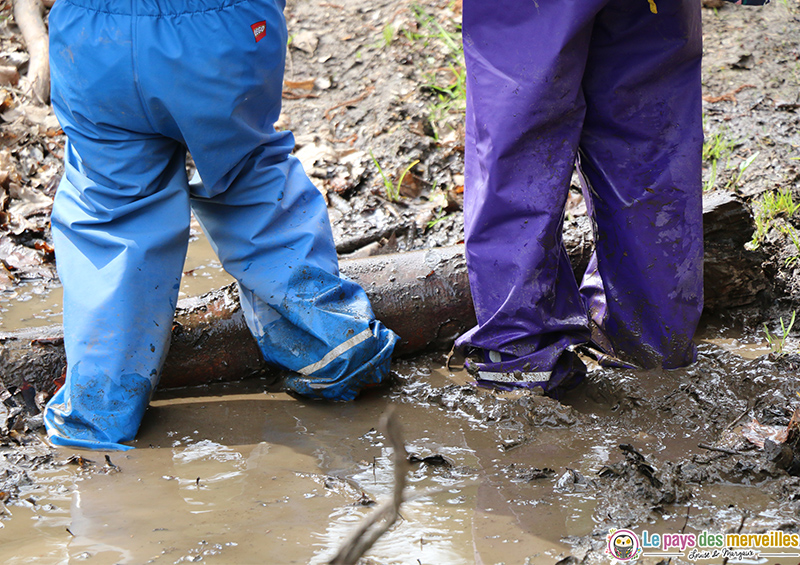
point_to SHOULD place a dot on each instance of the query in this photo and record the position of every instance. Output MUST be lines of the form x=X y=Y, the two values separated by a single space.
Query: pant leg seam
x=166 y=15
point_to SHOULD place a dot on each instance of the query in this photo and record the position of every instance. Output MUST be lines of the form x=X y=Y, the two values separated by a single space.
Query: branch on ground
x=29 y=15
x=377 y=523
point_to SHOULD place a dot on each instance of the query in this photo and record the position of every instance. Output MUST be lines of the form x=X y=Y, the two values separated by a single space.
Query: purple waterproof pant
x=615 y=86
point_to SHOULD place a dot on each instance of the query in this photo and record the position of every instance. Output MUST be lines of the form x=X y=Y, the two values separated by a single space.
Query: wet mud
x=242 y=473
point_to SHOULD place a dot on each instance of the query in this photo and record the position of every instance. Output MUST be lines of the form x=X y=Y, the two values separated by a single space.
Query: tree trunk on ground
x=423 y=296
x=734 y=276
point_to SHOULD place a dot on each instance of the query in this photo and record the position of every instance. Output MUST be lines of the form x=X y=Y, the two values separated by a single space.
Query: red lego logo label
x=259 y=30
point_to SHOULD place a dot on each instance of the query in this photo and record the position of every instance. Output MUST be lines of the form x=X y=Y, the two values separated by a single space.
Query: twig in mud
x=363 y=95
x=448 y=365
x=730 y=96
x=730 y=426
x=683 y=529
x=288 y=95
x=686 y=522
x=719 y=449
x=738 y=531
x=376 y=524
x=350 y=139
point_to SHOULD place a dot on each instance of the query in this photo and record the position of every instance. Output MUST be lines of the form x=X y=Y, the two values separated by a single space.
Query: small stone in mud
x=779 y=453
x=574 y=481
x=435 y=460
x=109 y=468
x=529 y=474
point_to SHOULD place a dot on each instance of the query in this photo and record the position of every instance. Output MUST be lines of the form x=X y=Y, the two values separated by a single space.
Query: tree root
x=29 y=15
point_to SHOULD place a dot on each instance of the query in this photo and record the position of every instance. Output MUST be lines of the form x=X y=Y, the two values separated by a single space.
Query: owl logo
x=623 y=545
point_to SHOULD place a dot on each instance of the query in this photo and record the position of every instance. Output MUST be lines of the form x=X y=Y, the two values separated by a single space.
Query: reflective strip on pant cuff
x=542 y=377
x=336 y=352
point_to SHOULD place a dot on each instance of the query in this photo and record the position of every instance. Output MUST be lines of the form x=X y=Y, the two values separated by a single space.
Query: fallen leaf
x=305 y=41
x=9 y=75
x=756 y=433
x=301 y=84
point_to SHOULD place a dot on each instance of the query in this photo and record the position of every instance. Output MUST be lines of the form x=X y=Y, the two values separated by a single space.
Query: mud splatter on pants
x=615 y=85
x=136 y=83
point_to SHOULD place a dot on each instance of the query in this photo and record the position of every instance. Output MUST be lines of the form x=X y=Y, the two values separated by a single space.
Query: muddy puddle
x=240 y=473
x=232 y=474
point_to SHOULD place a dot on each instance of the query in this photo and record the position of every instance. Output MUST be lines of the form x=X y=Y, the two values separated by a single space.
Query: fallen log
x=734 y=276
x=423 y=296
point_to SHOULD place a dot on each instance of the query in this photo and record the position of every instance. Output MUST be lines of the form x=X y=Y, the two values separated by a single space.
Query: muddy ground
x=373 y=90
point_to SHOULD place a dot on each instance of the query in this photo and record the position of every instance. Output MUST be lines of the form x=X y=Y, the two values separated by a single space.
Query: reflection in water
x=231 y=474
x=435 y=528
x=253 y=477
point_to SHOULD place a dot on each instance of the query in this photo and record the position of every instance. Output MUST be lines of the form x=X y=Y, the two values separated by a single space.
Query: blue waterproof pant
x=136 y=83
x=616 y=85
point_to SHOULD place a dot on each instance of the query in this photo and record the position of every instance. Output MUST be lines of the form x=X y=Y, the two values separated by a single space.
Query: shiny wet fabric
x=136 y=83
x=615 y=85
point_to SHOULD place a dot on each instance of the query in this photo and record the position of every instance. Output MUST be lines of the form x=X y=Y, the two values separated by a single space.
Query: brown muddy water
x=231 y=474
x=239 y=473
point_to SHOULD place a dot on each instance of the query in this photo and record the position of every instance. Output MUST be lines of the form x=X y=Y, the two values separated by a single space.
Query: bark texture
x=424 y=296
x=29 y=15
